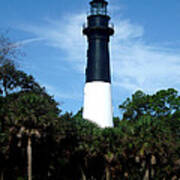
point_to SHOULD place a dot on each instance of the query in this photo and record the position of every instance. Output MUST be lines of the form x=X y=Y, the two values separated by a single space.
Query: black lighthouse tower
x=97 y=97
x=98 y=32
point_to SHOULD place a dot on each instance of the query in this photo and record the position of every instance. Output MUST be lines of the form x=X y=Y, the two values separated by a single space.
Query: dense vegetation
x=38 y=142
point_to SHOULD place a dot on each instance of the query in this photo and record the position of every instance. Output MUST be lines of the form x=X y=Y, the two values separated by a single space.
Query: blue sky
x=145 y=50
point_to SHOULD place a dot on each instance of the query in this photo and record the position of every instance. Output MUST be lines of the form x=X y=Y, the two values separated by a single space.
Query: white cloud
x=135 y=64
x=22 y=43
x=27 y=41
x=126 y=31
x=64 y=34
x=62 y=95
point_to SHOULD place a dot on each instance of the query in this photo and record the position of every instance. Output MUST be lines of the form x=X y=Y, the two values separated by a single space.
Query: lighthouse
x=97 y=91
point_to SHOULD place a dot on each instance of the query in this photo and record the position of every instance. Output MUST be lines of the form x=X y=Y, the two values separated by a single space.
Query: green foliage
x=153 y=124
x=164 y=104
x=13 y=80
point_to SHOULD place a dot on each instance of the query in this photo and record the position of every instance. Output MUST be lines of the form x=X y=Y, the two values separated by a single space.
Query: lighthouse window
x=98 y=9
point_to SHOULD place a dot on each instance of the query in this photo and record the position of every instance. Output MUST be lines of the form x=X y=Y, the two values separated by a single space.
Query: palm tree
x=31 y=115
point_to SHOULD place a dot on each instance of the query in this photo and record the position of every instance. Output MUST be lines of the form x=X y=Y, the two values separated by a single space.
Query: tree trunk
x=147 y=169
x=2 y=175
x=146 y=176
x=107 y=173
x=29 y=156
x=83 y=174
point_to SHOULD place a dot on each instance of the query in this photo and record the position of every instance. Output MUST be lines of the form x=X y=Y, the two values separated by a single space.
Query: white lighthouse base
x=98 y=103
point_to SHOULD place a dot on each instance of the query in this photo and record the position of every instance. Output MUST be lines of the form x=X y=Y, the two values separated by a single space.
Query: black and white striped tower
x=97 y=91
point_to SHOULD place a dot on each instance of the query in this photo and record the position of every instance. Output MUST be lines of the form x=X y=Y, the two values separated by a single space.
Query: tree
x=20 y=96
x=30 y=116
x=154 y=122
x=164 y=103
x=8 y=53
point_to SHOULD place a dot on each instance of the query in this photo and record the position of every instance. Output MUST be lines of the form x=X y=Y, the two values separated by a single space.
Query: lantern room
x=98 y=7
